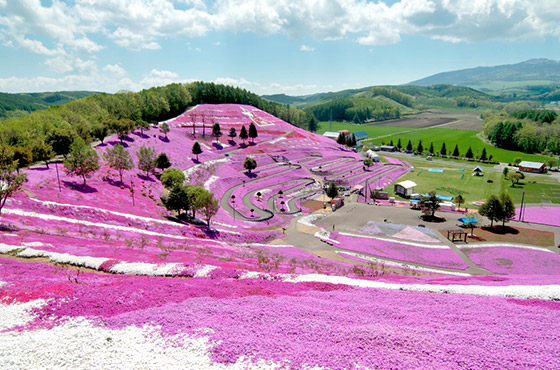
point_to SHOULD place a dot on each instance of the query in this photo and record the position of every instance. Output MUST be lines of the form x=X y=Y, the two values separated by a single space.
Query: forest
x=531 y=130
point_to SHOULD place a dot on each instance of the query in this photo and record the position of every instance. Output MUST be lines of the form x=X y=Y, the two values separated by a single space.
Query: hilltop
x=15 y=105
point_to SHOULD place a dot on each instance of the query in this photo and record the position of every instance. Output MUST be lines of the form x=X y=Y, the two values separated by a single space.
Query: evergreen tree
x=312 y=125
x=341 y=139
x=391 y=142
x=456 y=151
x=119 y=159
x=243 y=135
x=483 y=155
x=420 y=147
x=253 y=132
x=216 y=131
x=196 y=149
x=162 y=161
x=82 y=160
x=332 y=190
x=443 y=150
x=232 y=133
x=469 y=153
x=399 y=145
x=431 y=150
x=409 y=145
x=430 y=203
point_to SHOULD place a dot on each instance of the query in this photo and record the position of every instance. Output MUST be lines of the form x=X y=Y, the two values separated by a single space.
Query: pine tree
x=469 y=153
x=196 y=149
x=483 y=155
x=162 y=161
x=431 y=150
x=456 y=151
x=399 y=145
x=216 y=131
x=409 y=145
x=232 y=133
x=312 y=125
x=253 y=132
x=443 y=150
x=332 y=190
x=420 y=147
x=243 y=134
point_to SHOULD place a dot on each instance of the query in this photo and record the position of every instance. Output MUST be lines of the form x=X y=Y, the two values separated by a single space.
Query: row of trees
x=469 y=154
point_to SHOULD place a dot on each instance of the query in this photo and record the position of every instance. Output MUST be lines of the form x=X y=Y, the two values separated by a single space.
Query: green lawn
x=452 y=137
x=452 y=182
x=372 y=131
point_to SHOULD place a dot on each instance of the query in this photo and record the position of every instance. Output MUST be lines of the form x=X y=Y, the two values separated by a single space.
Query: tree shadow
x=114 y=182
x=8 y=228
x=232 y=142
x=128 y=139
x=430 y=218
x=116 y=142
x=195 y=160
x=501 y=230
x=42 y=168
x=163 y=138
x=145 y=178
x=250 y=175
x=140 y=135
x=217 y=146
x=86 y=189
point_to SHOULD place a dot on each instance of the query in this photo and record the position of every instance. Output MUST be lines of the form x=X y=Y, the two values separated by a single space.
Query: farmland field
x=452 y=182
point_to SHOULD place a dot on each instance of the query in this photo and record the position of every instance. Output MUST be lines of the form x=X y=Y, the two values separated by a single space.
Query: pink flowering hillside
x=103 y=276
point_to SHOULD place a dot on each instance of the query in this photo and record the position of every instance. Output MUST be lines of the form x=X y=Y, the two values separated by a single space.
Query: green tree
x=469 y=153
x=409 y=146
x=253 y=134
x=443 y=150
x=243 y=135
x=399 y=145
x=162 y=161
x=341 y=139
x=146 y=160
x=332 y=191
x=459 y=200
x=551 y=163
x=164 y=128
x=210 y=208
x=351 y=140
x=430 y=204
x=514 y=177
x=505 y=172
x=483 y=155
x=119 y=159
x=23 y=156
x=82 y=160
x=179 y=199
x=99 y=131
x=431 y=150
x=508 y=207
x=142 y=125
x=60 y=140
x=41 y=151
x=250 y=164
x=456 y=151
x=517 y=160
x=122 y=127
x=312 y=125
x=196 y=149
x=368 y=162
x=10 y=181
x=492 y=209
x=216 y=131
x=172 y=177
x=420 y=147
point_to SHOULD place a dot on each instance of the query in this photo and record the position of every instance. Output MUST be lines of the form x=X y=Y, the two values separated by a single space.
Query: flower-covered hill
x=103 y=276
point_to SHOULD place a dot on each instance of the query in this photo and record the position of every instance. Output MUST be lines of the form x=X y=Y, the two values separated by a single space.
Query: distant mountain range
x=14 y=105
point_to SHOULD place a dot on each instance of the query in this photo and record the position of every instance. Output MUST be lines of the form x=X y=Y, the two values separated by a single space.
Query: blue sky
x=266 y=46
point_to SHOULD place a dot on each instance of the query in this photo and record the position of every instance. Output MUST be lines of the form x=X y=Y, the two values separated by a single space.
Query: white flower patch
x=31 y=253
x=86 y=261
x=400 y=264
x=210 y=181
x=325 y=236
x=204 y=271
x=7 y=248
x=310 y=220
x=16 y=314
x=273 y=141
x=78 y=344
x=143 y=268
x=545 y=292
x=36 y=244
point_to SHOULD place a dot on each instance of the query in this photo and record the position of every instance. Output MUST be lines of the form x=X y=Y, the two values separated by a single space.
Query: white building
x=405 y=188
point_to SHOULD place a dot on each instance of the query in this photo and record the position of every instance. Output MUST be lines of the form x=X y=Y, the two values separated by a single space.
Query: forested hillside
x=531 y=131
x=40 y=135
x=16 y=105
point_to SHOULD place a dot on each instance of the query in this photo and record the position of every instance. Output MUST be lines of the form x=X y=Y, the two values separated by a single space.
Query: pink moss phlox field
x=515 y=260
x=304 y=324
x=540 y=215
x=437 y=257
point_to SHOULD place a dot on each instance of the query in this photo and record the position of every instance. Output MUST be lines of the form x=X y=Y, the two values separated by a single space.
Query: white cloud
x=306 y=48
x=159 y=78
x=115 y=70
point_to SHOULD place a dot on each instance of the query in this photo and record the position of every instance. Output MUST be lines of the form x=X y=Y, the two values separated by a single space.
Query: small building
x=388 y=148
x=372 y=155
x=360 y=135
x=537 y=167
x=478 y=171
x=331 y=134
x=405 y=188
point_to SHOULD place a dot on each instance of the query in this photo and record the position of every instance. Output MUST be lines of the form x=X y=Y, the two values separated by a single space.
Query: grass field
x=372 y=131
x=462 y=138
x=452 y=182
